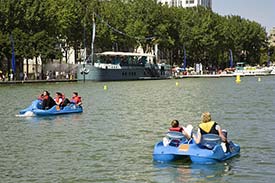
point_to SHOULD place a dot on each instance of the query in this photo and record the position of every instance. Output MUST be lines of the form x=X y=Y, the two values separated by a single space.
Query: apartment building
x=187 y=3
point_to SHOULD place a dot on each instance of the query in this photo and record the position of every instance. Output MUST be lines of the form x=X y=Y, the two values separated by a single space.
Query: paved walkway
x=37 y=81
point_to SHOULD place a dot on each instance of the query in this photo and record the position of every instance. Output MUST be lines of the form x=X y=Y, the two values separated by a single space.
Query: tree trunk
x=27 y=66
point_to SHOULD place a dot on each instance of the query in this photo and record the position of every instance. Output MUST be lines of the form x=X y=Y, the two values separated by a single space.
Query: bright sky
x=261 y=11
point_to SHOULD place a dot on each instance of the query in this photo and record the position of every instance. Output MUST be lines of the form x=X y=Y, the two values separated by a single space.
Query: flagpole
x=84 y=48
x=268 y=58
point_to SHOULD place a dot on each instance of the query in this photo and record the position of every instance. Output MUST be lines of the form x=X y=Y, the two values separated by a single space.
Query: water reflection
x=187 y=171
x=55 y=118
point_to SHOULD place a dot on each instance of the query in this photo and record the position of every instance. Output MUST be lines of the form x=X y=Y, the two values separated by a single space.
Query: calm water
x=113 y=140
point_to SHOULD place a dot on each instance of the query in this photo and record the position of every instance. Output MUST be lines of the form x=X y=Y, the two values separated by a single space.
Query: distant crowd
x=6 y=76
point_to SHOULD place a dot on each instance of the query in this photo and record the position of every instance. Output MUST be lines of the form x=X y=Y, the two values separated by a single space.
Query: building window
x=173 y=3
x=190 y=1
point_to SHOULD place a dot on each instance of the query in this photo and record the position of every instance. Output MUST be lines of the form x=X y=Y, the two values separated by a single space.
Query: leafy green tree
x=45 y=28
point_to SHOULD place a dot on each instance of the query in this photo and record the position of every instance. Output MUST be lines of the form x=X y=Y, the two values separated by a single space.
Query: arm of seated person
x=197 y=137
x=79 y=103
x=224 y=139
x=186 y=134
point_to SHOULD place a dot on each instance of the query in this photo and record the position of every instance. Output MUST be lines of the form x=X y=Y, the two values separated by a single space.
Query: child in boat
x=61 y=100
x=175 y=127
x=186 y=131
x=58 y=98
x=76 y=99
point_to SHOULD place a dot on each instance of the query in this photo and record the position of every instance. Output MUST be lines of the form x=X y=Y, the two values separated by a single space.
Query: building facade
x=271 y=39
x=57 y=69
x=187 y=3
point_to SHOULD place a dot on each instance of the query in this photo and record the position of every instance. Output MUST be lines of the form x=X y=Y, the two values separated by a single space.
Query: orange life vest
x=76 y=99
x=176 y=129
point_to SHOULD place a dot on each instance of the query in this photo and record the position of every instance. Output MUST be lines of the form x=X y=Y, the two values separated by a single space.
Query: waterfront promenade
x=37 y=81
x=174 y=77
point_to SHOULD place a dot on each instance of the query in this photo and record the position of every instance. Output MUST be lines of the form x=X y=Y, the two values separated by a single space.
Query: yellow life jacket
x=208 y=127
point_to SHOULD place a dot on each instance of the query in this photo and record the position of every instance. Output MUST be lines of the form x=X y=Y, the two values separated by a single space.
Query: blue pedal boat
x=210 y=150
x=36 y=109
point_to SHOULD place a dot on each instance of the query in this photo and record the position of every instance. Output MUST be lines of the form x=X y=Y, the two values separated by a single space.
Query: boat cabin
x=116 y=60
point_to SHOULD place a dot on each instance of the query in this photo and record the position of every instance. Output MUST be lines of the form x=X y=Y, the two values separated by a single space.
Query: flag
x=92 y=43
x=184 y=58
x=13 y=65
x=93 y=37
x=230 y=58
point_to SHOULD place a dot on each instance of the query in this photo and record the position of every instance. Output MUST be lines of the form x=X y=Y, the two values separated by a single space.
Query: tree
x=40 y=27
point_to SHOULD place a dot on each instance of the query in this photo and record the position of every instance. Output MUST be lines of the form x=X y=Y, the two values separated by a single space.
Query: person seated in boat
x=176 y=128
x=207 y=126
x=186 y=132
x=76 y=99
x=58 y=98
x=40 y=97
x=47 y=101
x=116 y=60
x=61 y=100
x=66 y=101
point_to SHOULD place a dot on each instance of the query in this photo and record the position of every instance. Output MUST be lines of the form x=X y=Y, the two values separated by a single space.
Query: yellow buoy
x=105 y=87
x=177 y=83
x=238 y=79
